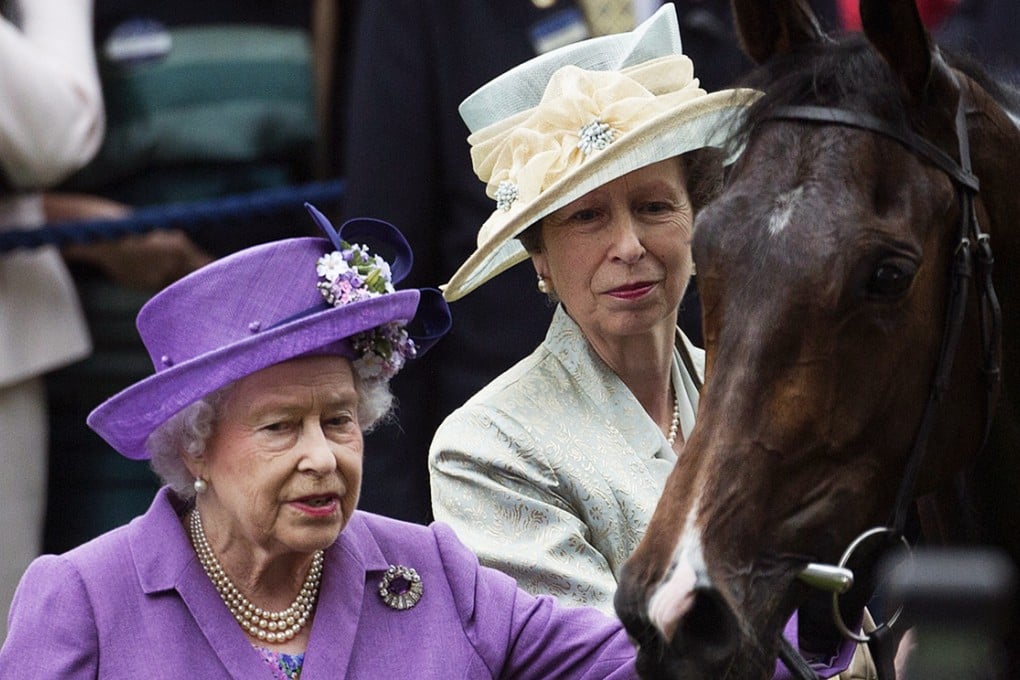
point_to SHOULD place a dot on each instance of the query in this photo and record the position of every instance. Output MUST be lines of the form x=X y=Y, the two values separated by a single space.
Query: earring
x=543 y=287
x=200 y=485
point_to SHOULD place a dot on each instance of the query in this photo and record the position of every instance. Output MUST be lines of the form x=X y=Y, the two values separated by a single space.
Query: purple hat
x=270 y=303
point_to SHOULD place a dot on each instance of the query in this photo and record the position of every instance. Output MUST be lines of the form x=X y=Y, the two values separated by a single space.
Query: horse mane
x=843 y=73
x=1005 y=94
x=847 y=73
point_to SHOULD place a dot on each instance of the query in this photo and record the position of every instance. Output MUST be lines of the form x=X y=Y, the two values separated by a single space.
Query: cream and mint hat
x=547 y=132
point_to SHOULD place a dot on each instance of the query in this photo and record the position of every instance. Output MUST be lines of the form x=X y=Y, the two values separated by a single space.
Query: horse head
x=824 y=273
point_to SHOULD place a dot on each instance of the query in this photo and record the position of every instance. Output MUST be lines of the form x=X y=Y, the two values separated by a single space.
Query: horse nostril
x=706 y=639
x=632 y=616
x=710 y=627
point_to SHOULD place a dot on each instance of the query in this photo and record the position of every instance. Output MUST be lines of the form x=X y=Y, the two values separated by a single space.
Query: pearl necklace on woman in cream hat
x=674 y=425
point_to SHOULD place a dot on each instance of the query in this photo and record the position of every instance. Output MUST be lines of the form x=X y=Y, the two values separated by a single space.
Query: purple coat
x=135 y=603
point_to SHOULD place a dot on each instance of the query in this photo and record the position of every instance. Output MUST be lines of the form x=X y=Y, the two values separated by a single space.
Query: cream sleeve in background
x=51 y=121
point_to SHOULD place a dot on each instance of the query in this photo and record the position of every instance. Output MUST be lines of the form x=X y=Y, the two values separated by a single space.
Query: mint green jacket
x=552 y=471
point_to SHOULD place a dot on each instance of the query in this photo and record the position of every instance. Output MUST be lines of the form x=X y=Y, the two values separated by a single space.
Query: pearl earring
x=200 y=485
x=543 y=287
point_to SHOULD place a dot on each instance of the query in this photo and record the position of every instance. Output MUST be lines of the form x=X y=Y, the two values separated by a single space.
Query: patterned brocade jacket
x=551 y=472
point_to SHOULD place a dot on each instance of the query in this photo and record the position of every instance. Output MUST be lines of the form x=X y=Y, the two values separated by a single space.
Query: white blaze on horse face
x=785 y=204
x=675 y=595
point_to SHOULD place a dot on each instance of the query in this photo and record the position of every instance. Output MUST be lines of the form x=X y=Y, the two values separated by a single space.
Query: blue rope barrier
x=185 y=216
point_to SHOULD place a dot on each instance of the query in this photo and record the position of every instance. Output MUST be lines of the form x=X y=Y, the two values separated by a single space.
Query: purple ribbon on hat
x=376 y=233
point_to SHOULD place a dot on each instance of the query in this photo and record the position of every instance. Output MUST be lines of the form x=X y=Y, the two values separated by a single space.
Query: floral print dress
x=283 y=666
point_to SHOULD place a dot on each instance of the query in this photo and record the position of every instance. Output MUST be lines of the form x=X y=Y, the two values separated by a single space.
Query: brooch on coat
x=401 y=587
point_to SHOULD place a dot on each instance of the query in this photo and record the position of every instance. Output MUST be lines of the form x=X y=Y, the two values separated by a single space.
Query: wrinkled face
x=284 y=462
x=619 y=257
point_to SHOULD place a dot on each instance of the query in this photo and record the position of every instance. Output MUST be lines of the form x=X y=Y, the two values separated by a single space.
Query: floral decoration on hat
x=595 y=136
x=505 y=195
x=581 y=112
x=349 y=275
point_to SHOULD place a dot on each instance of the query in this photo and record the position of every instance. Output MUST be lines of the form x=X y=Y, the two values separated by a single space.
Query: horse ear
x=895 y=28
x=770 y=27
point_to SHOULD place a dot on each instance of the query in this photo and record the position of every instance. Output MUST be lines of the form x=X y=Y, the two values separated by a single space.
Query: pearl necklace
x=674 y=425
x=272 y=627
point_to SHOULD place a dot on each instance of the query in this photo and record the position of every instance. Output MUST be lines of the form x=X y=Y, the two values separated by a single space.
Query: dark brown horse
x=844 y=378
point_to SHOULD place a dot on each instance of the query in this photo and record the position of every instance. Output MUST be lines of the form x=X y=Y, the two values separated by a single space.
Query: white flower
x=359 y=249
x=383 y=266
x=331 y=266
x=595 y=136
x=506 y=194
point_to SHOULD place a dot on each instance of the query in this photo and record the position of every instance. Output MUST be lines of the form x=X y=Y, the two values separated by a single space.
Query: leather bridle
x=972 y=259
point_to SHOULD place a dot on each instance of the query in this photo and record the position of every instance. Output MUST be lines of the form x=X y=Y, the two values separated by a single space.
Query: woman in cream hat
x=597 y=156
x=252 y=561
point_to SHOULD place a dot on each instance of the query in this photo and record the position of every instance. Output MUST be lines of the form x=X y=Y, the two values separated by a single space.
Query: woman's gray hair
x=188 y=431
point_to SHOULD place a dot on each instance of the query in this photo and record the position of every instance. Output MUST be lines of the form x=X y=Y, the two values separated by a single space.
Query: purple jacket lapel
x=339 y=612
x=165 y=561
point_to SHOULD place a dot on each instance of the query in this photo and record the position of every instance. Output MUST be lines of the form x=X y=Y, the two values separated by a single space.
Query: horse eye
x=890 y=280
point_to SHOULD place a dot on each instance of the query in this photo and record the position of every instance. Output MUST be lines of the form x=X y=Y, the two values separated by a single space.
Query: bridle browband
x=972 y=258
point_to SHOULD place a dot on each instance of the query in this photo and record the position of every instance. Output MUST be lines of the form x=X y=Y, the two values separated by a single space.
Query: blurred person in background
x=51 y=124
x=987 y=30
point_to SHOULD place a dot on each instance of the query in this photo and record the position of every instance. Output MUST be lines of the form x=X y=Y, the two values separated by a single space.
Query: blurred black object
x=957 y=603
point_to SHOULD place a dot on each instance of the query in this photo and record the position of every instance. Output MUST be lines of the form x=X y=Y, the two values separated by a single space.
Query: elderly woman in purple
x=253 y=561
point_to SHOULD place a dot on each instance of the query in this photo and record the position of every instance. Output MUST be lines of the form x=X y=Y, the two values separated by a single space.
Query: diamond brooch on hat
x=595 y=136
x=506 y=194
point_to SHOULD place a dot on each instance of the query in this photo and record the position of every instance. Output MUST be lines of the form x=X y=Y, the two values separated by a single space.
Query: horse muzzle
x=705 y=640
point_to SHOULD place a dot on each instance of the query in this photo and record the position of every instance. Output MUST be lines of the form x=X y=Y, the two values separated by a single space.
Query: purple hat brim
x=127 y=419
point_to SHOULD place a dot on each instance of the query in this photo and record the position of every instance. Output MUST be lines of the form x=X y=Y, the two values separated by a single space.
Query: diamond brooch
x=595 y=136
x=506 y=194
x=401 y=587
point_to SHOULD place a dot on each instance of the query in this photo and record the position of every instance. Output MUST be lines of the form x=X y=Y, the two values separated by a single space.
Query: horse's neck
x=980 y=505
x=989 y=503
x=943 y=516
x=1002 y=473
